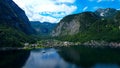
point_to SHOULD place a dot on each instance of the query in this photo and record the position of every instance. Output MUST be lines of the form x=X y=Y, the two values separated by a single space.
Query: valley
x=100 y=25
x=88 y=39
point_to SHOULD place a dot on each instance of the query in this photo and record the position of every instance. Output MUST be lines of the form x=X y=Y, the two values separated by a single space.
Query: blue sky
x=54 y=10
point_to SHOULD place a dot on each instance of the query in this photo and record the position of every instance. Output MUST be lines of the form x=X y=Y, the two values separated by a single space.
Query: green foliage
x=106 y=29
x=10 y=37
x=86 y=57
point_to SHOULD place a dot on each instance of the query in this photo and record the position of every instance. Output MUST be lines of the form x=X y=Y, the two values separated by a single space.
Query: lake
x=62 y=57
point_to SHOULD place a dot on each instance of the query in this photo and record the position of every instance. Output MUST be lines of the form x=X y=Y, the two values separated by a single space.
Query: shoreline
x=12 y=48
x=92 y=43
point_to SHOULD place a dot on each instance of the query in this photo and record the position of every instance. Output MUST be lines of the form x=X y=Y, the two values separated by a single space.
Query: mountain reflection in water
x=74 y=57
x=49 y=59
x=13 y=58
x=91 y=57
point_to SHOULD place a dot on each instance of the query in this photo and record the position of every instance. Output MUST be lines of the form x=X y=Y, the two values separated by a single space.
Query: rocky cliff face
x=73 y=24
x=13 y=16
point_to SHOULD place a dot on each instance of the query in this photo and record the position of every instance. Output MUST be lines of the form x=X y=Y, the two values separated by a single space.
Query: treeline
x=11 y=37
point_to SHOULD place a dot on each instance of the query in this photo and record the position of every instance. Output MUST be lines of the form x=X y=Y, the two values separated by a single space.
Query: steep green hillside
x=15 y=27
x=90 y=27
x=73 y=24
x=12 y=15
x=10 y=37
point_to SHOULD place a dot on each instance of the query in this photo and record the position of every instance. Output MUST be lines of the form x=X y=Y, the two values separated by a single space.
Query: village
x=50 y=43
x=57 y=43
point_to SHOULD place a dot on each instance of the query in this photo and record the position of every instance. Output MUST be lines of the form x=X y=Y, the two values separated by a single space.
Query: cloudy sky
x=54 y=10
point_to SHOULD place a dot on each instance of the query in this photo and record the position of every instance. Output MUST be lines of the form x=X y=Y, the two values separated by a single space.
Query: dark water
x=64 y=57
x=13 y=58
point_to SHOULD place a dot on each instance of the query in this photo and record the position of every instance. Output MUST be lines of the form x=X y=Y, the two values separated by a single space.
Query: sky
x=54 y=10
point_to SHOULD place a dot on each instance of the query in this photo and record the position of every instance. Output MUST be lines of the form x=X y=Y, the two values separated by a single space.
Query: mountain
x=88 y=26
x=15 y=27
x=44 y=28
x=73 y=24
x=105 y=13
x=12 y=15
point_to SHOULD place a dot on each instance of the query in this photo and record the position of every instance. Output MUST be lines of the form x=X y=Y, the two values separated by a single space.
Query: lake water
x=64 y=57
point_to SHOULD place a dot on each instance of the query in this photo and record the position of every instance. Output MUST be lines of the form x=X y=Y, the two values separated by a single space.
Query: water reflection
x=13 y=58
x=91 y=57
x=48 y=59
x=74 y=57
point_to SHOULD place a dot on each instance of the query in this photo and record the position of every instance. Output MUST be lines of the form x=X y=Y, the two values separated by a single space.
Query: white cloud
x=85 y=8
x=99 y=1
x=47 y=10
x=42 y=18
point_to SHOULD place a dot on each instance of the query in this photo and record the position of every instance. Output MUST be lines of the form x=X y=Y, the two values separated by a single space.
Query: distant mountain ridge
x=107 y=12
x=44 y=28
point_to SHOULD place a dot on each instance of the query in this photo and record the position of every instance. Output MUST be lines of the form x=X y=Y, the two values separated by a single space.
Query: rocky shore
x=57 y=43
x=94 y=43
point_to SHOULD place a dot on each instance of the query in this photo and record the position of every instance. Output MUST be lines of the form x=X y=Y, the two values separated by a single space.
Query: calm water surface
x=73 y=57
x=46 y=58
x=64 y=57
